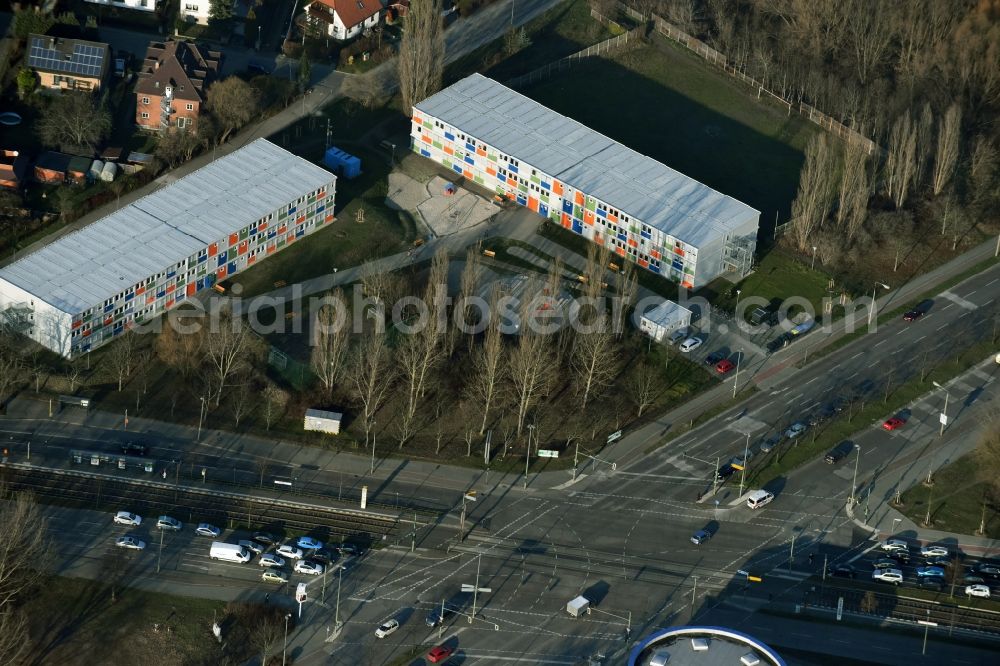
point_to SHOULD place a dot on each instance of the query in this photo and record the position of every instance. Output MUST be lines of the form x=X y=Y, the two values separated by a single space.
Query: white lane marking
x=959 y=301
x=942 y=326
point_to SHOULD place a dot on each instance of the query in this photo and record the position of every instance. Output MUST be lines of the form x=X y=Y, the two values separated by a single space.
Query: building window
x=190 y=107
x=182 y=123
x=144 y=115
x=145 y=100
x=190 y=8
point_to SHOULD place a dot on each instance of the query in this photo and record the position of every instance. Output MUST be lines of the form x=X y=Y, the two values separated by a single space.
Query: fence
x=607 y=46
x=720 y=60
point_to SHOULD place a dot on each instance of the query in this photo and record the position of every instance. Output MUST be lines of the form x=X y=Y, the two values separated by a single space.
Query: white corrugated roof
x=587 y=160
x=86 y=267
x=666 y=313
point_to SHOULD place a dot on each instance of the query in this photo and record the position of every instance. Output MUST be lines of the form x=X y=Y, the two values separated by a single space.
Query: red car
x=893 y=424
x=724 y=366
x=439 y=654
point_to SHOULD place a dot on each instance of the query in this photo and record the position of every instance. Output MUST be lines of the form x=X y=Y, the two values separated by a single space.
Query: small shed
x=95 y=170
x=343 y=164
x=13 y=165
x=51 y=167
x=318 y=420
x=109 y=172
x=664 y=319
x=78 y=169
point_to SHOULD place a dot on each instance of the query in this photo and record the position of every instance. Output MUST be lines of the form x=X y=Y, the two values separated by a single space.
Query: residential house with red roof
x=344 y=19
x=172 y=85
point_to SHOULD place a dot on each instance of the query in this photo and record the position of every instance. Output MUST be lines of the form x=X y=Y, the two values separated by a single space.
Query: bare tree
x=948 y=141
x=983 y=172
x=178 y=347
x=121 y=356
x=988 y=455
x=39 y=371
x=74 y=374
x=488 y=365
x=23 y=556
x=232 y=349
x=265 y=636
x=869 y=602
x=371 y=373
x=529 y=371
x=870 y=27
x=629 y=293
x=900 y=165
x=74 y=121
x=641 y=386
x=275 y=400
x=468 y=284
x=240 y=400
x=925 y=144
x=330 y=341
x=812 y=202
x=10 y=372
x=592 y=359
x=421 y=52
x=852 y=197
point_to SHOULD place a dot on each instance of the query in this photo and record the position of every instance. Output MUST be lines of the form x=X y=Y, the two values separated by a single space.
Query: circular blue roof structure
x=680 y=646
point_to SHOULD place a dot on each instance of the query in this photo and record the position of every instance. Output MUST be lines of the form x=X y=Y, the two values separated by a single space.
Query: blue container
x=343 y=164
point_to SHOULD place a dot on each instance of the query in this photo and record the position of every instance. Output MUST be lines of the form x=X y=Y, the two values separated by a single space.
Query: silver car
x=796 y=429
x=271 y=560
x=168 y=523
x=252 y=546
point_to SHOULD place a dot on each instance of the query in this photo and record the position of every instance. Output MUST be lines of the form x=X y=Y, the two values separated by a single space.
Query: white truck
x=229 y=552
x=578 y=606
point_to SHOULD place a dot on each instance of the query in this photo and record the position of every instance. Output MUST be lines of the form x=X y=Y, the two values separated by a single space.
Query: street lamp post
x=284 y=647
x=336 y=617
x=736 y=377
x=527 y=455
x=854 y=483
x=736 y=312
x=871 y=310
x=201 y=416
x=373 y=447
x=944 y=412
x=812 y=266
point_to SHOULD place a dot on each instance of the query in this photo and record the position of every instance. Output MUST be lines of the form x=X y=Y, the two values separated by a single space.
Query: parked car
x=895 y=423
x=724 y=366
x=988 y=569
x=885 y=563
x=206 y=530
x=973 y=579
x=739 y=460
x=980 y=591
x=439 y=653
x=842 y=571
x=700 y=537
x=768 y=444
x=839 y=452
x=126 y=518
x=271 y=576
x=309 y=543
x=691 y=344
x=934 y=551
x=289 y=551
x=936 y=584
x=796 y=429
x=893 y=576
x=323 y=556
x=902 y=556
x=779 y=342
x=434 y=618
x=913 y=315
x=346 y=549
x=386 y=628
x=928 y=572
x=271 y=560
x=265 y=538
x=937 y=561
x=678 y=335
x=309 y=567
x=714 y=358
x=895 y=544
x=130 y=542
x=168 y=523
x=252 y=546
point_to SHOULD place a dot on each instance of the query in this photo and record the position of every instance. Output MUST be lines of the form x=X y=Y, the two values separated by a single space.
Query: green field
x=956 y=500
x=667 y=104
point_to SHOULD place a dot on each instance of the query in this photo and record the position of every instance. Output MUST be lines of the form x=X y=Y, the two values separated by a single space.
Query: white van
x=229 y=552
x=759 y=498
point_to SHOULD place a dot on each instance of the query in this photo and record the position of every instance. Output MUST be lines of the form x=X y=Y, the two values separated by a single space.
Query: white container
x=109 y=172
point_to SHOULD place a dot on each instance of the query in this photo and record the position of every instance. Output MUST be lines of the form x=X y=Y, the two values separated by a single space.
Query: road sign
x=546 y=453
x=473 y=588
x=615 y=436
x=943 y=419
x=927 y=623
x=840 y=608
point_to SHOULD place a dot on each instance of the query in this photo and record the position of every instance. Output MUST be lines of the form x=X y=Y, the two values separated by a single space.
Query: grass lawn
x=666 y=103
x=778 y=276
x=75 y=623
x=555 y=34
x=790 y=455
x=956 y=500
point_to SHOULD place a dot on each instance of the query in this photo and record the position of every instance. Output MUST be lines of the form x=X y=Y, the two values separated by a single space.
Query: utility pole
x=441 y=620
x=715 y=480
x=746 y=461
x=791 y=552
x=854 y=483
x=373 y=447
x=736 y=378
x=413 y=534
x=340 y=577
x=944 y=412
x=527 y=456
x=201 y=416
x=576 y=456
x=159 y=555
